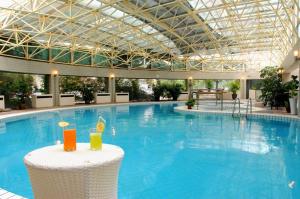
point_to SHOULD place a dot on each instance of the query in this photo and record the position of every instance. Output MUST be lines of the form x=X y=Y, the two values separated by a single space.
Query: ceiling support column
x=112 y=88
x=243 y=89
x=54 y=87
x=189 y=83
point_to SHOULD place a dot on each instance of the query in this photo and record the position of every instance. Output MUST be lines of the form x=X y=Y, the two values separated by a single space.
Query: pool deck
x=204 y=108
x=8 y=195
x=256 y=112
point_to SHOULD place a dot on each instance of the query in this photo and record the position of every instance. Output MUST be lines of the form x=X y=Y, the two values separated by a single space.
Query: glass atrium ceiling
x=204 y=35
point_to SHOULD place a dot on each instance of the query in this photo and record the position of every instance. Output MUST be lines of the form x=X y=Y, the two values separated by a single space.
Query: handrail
x=234 y=106
x=233 y=109
x=249 y=102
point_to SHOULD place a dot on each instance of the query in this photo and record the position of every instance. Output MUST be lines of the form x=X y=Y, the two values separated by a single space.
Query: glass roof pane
x=255 y=33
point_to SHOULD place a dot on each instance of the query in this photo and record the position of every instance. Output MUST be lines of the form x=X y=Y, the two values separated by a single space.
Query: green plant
x=82 y=87
x=174 y=90
x=190 y=102
x=157 y=91
x=87 y=94
x=287 y=106
x=16 y=89
x=292 y=86
x=209 y=84
x=45 y=84
x=167 y=89
x=70 y=84
x=234 y=86
x=132 y=86
x=273 y=90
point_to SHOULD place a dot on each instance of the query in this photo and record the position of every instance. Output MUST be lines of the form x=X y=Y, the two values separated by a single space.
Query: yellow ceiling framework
x=180 y=35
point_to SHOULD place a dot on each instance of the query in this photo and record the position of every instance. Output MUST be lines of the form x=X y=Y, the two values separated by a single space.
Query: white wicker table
x=83 y=173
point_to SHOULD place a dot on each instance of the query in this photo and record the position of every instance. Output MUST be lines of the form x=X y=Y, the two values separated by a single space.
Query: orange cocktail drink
x=70 y=139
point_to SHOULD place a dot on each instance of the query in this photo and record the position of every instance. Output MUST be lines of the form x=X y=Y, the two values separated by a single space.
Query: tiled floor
x=8 y=195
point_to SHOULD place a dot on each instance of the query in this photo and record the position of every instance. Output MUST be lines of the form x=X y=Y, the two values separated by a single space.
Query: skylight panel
x=133 y=21
x=160 y=37
x=6 y=3
x=148 y=29
x=15 y=4
x=200 y=4
x=113 y=12
x=91 y=3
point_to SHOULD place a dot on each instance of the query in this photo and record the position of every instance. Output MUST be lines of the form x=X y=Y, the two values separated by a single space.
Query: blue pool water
x=170 y=155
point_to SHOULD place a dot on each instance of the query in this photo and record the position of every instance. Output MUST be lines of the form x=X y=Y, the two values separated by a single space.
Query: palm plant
x=234 y=86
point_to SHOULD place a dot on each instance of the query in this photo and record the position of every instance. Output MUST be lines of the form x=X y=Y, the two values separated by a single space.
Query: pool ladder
x=249 y=106
x=234 y=107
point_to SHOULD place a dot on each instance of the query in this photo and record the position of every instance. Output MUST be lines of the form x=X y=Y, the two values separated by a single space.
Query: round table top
x=54 y=157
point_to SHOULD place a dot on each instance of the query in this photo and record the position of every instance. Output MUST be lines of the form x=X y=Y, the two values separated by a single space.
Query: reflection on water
x=168 y=154
x=227 y=134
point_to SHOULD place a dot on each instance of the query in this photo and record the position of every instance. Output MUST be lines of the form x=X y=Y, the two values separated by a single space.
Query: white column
x=112 y=88
x=54 y=88
x=190 y=87
x=243 y=88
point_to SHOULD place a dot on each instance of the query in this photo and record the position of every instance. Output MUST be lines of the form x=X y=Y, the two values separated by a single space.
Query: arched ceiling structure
x=180 y=35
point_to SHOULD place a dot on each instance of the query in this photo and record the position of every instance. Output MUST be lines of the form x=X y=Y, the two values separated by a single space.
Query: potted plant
x=293 y=102
x=273 y=92
x=209 y=84
x=292 y=86
x=190 y=103
x=234 y=86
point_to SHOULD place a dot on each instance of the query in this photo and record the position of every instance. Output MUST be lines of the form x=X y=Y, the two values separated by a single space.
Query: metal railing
x=234 y=107
x=249 y=103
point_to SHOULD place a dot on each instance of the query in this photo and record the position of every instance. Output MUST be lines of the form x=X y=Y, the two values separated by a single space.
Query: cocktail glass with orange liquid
x=70 y=138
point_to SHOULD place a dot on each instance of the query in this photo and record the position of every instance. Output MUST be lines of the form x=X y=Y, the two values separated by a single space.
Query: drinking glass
x=95 y=140
x=70 y=138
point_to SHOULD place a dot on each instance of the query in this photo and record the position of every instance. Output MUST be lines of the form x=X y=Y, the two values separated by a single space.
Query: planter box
x=183 y=96
x=293 y=105
x=2 y=104
x=42 y=101
x=66 y=99
x=122 y=97
x=101 y=98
